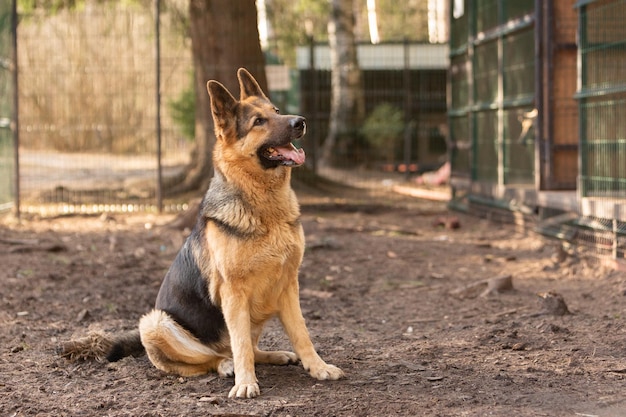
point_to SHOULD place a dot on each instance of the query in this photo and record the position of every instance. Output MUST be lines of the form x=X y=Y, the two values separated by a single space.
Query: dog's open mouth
x=287 y=155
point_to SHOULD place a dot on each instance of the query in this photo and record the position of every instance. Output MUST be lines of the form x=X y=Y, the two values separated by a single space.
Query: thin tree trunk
x=347 y=109
x=224 y=37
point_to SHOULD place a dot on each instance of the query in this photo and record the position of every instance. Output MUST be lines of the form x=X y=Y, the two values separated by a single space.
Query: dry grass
x=87 y=79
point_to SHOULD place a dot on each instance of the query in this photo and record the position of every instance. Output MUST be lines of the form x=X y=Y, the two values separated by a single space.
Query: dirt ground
x=395 y=299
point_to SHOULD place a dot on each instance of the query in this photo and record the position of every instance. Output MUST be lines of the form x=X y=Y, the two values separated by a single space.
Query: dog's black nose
x=298 y=123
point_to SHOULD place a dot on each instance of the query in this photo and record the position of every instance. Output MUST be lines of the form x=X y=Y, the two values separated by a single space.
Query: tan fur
x=173 y=349
x=252 y=279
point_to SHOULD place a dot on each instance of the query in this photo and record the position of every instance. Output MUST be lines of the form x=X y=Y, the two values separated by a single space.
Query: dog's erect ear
x=222 y=106
x=248 y=85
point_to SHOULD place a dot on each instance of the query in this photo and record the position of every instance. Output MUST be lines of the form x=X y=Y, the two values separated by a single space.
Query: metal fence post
x=409 y=122
x=15 y=126
x=315 y=95
x=157 y=99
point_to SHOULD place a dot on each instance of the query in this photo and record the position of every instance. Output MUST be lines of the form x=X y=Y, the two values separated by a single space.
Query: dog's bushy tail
x=99 y=346
x=126 y=344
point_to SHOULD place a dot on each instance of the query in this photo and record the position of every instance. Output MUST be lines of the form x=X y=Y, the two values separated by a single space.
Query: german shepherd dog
x=239 y=266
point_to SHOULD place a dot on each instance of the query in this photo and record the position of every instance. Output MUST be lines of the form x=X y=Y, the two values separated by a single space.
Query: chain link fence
x=88 y=139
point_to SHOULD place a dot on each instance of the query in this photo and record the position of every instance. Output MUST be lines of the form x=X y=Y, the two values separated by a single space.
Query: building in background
x=404 y=77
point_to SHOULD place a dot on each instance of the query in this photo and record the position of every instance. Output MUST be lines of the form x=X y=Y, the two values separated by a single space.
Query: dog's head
x=251 y=131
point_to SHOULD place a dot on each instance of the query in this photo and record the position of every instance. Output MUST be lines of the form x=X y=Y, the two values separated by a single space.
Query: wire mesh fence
x=537 y=99
x=493 y=91
x=87 y=111
x=88 y=82
x=602 y=100
x=87 y=136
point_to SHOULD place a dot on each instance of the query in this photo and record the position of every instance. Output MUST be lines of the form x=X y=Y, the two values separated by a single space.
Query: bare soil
x=392 y=294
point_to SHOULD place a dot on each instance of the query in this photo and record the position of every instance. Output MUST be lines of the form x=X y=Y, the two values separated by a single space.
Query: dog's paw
x=286 y=358
x=244 y=391
x=226 y=368
x=275 y=357
x=326 y=372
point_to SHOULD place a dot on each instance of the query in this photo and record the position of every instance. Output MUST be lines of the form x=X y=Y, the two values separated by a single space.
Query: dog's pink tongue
x=291 y=152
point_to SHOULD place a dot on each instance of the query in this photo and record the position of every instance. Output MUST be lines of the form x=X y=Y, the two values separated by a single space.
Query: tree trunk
x=347 y=109
x=224 y=37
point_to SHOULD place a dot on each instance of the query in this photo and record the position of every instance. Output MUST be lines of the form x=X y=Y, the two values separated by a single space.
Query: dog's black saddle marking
x=184 y=295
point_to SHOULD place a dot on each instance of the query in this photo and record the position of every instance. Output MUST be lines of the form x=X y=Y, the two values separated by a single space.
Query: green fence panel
x=486 y=146
x=460 y=137
x=492 y=91
x=602 y=99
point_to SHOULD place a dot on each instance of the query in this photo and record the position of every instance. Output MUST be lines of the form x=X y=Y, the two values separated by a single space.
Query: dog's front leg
x=291 y=317
x=236 y=310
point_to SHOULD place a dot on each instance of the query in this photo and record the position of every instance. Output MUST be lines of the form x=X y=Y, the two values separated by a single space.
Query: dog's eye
x=277 y=110
x=259 y=121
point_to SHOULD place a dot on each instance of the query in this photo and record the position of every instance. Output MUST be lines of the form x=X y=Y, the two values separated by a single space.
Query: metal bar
x=458 y=51
x=582 y=113
x=157 y=98
x=518 y=101
x=502 y=30
x=539 y=90
x=408 y=139
x=582 y=3
x=605 y=142
x=15 y=125
x=314 y=104
x=471 y=29
x=598 y=92
x=483 y=106
x=450 y=111
x=615 y=238
x=548 y=142
x=500 y=145
x=605 y=45
x=409 y=122
x=458 y=113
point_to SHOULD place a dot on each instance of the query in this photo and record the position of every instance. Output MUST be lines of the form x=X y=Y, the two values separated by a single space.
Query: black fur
x=221 y=194
x=184 y=294
x=267 y=163
x=227 y=228
x=244 y=114
x=126 y=344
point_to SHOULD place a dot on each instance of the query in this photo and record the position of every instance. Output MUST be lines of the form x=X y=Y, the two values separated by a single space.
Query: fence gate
x=6 y=107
